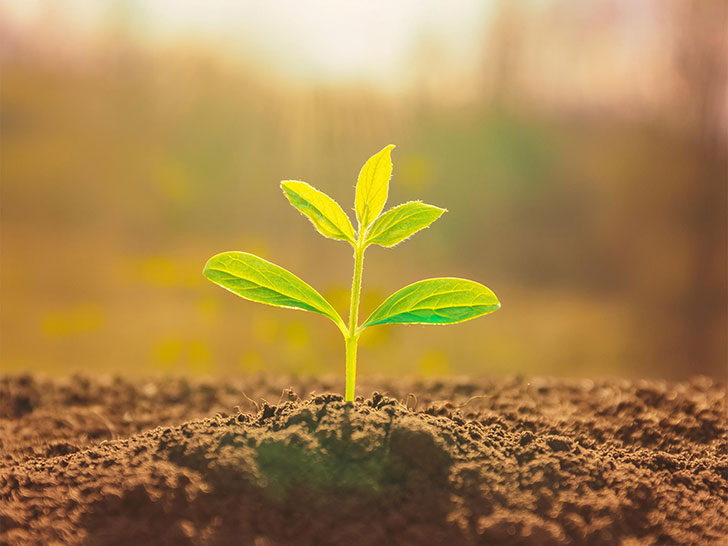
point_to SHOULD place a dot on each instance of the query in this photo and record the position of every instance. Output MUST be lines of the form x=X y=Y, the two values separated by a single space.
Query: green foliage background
x=602 y=228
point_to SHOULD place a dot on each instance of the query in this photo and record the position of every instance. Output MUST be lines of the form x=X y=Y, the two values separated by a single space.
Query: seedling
x=432 y=301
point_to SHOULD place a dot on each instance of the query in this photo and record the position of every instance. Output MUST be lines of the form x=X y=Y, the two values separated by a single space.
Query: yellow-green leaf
x=401 y=222
x=325 y=214
x=435 y=301
x=259 y=280
x=372 y=187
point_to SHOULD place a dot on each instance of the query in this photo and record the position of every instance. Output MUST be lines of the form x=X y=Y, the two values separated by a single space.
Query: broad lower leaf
x=256 y=279
x=325 y=214
x=435 y=301
x=372 y=187
x=401 y=222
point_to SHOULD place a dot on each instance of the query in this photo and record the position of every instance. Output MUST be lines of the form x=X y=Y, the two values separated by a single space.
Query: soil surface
x=104 y=461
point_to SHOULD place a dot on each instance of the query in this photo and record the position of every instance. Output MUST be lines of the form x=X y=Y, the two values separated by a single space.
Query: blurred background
x=580 y=147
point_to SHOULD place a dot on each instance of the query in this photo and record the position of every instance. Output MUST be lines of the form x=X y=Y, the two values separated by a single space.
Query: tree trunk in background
x=701 y=60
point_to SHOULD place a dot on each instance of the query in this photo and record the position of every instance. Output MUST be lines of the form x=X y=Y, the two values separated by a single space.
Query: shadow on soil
x=295 y=470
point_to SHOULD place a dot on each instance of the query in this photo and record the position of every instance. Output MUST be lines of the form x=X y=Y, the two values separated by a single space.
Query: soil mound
x=526 y=462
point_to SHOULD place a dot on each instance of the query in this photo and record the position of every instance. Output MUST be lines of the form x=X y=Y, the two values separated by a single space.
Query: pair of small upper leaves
x=389 y=229
x=432 y=301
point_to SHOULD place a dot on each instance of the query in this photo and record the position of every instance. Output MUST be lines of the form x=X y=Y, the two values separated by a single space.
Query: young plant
x=432 y=301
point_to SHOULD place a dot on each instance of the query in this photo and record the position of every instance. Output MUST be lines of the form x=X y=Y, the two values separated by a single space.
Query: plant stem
x=352 y=338
x=350 y=368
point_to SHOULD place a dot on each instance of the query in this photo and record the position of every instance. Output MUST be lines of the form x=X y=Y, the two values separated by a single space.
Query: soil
x=102 y=461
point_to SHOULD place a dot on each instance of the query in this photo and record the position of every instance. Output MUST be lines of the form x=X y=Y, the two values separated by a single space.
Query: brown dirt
x=511 y=461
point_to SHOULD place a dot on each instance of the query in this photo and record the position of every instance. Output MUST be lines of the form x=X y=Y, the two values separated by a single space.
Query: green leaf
x=325 y=214
x=256 y=279
x=435 y=301
x=401 y=222
x=372 y=186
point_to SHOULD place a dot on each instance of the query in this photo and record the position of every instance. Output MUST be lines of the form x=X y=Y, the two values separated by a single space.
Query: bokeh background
x=580 y=147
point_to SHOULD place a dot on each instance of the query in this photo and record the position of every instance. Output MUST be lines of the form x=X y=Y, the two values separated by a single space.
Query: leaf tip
x=208 y=266
x=388 y=151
